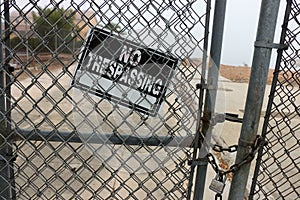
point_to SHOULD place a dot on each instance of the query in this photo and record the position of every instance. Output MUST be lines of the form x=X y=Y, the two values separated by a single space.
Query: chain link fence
x=277 y=170
x=99 y=98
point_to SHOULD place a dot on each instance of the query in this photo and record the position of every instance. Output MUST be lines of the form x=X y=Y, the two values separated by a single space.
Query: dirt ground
x=240 y=74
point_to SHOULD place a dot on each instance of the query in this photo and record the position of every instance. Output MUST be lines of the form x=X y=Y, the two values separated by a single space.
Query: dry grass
x=242 y=75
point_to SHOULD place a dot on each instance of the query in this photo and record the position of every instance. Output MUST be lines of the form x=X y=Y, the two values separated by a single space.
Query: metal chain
x=219 y=148
x=258 y=142
x=218 y=196
x=212 y=161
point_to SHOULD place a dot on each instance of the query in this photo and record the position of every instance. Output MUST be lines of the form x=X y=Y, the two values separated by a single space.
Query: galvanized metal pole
x=256 y=90
x=197 y=140
x=7 y=182
x=271 y=97
x=4 y=166
x=211 y=92
x=2 y=75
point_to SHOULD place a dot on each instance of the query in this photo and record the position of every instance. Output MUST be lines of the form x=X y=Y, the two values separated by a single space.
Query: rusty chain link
x=258 y=142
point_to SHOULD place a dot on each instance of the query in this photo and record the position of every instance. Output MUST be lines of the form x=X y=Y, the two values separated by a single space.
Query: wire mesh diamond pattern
x=67 y=142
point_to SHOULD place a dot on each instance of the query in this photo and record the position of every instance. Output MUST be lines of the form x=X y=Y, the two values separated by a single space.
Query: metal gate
x=277 y=169
x=71 y=129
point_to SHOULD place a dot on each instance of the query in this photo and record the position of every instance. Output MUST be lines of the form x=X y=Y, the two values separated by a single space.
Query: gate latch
x=270 y=45
x=218 y=118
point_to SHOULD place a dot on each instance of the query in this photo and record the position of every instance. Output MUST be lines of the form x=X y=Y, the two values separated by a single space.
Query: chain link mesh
x=66 y=142
x=278 y=170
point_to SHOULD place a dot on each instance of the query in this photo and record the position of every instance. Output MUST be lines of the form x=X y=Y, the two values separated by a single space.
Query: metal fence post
x=4 y=172
x=7 y=183
x=211 y=92
x=272 y=96
x=2 y=74
x=197 y=143
x=256 y=90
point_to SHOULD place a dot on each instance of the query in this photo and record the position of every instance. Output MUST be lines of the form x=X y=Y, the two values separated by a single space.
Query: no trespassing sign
x=124 y=72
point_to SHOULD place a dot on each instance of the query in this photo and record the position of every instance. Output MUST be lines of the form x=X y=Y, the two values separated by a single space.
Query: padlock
x=218 y=184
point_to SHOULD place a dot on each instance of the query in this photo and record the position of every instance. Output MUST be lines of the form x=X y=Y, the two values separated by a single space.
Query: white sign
x=124 y=72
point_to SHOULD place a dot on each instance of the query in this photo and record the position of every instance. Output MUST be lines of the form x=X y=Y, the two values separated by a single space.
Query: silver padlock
x=218 y=184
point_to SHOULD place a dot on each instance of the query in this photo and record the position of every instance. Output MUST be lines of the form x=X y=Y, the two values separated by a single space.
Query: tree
x=54 y=26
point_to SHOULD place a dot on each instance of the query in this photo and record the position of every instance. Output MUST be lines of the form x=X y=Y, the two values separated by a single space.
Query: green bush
x=20 y=44
x=37 y=45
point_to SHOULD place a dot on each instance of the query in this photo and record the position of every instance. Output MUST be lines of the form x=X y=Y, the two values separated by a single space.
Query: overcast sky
x=240 y=31
x=240 y=27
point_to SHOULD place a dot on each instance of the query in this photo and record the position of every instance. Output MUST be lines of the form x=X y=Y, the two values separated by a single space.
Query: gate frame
x=205 y=128
x=256 y=90
x=284 y=28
